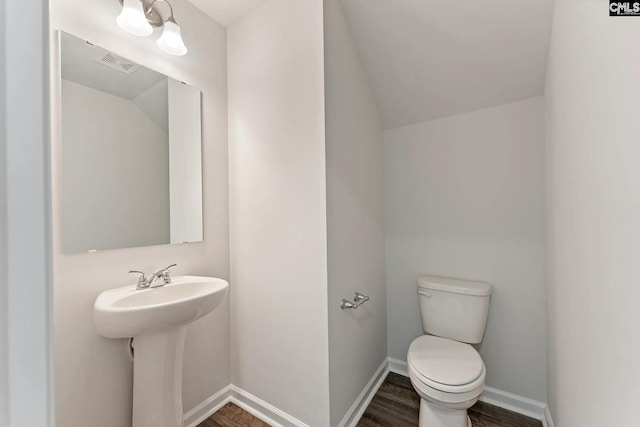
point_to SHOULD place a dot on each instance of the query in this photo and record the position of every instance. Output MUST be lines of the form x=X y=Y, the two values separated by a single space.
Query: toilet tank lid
x=457 y=286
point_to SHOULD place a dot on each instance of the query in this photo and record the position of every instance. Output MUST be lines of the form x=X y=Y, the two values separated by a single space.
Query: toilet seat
x=445 y=365
x=446 y=399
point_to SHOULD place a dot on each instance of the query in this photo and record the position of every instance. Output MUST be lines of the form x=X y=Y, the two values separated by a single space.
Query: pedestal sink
x=156 y=318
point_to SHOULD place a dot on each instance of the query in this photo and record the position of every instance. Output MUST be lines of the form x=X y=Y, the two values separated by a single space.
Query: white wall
x=155 y=103
x=93 y=374
x=185 y=162
x=4 y=416
x=26 y=204
x=355 y=209
x=93 y=154
x=278 y=208
x=464 y=198
x=593 y=207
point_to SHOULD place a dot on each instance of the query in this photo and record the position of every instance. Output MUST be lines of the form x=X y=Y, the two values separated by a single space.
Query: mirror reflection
x=131 y=152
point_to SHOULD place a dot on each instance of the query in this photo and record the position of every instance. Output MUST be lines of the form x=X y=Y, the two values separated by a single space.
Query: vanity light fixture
x=171 y=39
x=132 y=19
x=138 y=19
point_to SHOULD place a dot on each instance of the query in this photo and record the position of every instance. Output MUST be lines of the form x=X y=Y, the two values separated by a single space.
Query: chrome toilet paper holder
x=358 y=300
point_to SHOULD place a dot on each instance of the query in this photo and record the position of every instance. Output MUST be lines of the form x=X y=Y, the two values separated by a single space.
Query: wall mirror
x=131 y=152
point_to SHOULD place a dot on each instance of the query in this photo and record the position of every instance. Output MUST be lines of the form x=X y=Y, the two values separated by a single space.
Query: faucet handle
x=164 y=273
x=142 y=279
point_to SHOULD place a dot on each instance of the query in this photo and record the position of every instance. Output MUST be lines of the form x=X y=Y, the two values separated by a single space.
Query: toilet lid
x=445 y=361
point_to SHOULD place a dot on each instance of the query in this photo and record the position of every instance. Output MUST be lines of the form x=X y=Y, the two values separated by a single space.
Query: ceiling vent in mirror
x=117 y=63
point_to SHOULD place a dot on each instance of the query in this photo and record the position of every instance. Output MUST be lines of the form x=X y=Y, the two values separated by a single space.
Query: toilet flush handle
x=424 y=293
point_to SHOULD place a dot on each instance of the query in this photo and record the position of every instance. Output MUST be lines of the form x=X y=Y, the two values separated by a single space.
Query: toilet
x=444 y=369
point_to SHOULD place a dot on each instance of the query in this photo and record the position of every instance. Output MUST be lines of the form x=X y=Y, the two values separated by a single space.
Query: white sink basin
x=128 y=312
x=156 y=319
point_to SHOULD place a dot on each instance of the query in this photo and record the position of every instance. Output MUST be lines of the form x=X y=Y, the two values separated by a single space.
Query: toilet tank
x=453 y=308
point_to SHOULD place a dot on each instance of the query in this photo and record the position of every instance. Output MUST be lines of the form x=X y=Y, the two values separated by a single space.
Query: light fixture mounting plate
x=153 y=16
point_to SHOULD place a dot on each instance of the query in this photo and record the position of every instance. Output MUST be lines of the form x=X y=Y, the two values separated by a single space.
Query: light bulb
x=132 y=18
x=171 y=39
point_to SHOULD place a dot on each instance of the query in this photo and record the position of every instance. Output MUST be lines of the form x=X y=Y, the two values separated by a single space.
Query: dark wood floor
x=395 y=404
x=231 y=415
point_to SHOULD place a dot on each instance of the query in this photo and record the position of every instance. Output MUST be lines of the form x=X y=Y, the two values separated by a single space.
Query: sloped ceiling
x=226 y=12
x=427 y=59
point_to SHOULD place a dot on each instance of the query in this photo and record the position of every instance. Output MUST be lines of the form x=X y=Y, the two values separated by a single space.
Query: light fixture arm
x=150 y=8
x=134 y=14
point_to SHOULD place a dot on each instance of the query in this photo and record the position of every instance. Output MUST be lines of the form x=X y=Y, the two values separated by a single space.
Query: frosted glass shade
x=171 y=39
x=133 y=20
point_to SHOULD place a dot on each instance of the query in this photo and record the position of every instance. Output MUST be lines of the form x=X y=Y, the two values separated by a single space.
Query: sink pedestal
x=157 y=319
x=157 y=378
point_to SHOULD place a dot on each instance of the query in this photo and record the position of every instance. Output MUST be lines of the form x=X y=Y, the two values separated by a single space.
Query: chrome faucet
x=144 y=283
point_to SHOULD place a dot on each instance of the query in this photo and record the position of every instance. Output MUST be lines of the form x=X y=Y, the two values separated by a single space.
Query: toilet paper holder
x=358 y=300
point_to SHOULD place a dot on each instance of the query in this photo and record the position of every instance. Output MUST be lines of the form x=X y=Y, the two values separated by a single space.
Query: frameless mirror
x=131 y=152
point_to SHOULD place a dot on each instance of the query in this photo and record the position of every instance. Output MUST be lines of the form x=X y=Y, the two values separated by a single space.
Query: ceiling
x=146 y=88
x=226 y=12
x=80 y=63
x=427 y=59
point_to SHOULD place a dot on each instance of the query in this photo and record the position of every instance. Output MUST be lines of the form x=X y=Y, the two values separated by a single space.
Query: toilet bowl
x=449 y=378
x=447 y=373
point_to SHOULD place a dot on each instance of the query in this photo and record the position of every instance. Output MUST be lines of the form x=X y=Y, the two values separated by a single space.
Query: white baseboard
x=513 y=402
x=356 y=410
x=547 y=421
x=263 y=410
x=278 y=418
x=250 y=403
x=274 y=416
x=398 y=366
x=207 y=408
